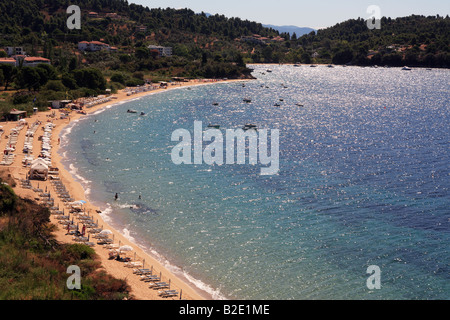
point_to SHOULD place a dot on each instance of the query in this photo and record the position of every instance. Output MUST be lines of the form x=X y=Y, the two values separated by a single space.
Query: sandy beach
x=139 y=289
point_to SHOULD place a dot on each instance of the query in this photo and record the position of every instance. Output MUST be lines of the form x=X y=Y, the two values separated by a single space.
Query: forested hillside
x=414 y=41
x=202 y=46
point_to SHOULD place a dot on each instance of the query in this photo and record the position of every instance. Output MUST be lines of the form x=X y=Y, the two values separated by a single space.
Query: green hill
x=413 y=41
x=33 y=265
x=203 y=46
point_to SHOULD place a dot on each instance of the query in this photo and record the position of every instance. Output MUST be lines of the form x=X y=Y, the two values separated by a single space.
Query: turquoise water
x=364 y=180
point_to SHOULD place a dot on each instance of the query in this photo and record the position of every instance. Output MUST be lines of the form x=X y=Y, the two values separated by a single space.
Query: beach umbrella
x=125 y=248
x=107 y=232
x=79 y=202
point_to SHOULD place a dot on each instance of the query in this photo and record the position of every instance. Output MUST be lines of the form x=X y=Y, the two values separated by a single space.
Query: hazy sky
x=312 y=13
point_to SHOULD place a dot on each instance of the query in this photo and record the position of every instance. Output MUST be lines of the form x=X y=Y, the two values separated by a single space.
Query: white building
x=93 y=46
x=27 y=61
x=12 y=51
x=34 y=61
x=162 y=51
x=10 y=61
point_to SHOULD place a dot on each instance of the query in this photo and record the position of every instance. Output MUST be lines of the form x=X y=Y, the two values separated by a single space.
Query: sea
x=360 y=207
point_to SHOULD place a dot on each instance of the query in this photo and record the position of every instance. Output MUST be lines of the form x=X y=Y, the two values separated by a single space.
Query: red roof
x=35 y=59
x=99 y=43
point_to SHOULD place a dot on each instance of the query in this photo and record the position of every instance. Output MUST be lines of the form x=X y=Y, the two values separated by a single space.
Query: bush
x=118 y=77
x=22 y=97
x=7 y=200
x=133 y=82
x=55 y=85
x=90 y=78
x=76 y=252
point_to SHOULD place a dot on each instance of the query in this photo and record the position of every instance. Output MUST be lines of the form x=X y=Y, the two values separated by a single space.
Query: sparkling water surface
x=364 y=180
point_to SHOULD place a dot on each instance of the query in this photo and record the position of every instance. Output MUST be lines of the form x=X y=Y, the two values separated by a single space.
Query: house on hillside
x=94 y=46
x=10 y=61
x=141 y=29
x=113 y=15
x=13 y=51
x=162 y=51
x=256 y=39
x=34 y=61
x=25 y=61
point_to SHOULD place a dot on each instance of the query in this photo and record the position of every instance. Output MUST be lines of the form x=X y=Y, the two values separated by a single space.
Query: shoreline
x=139 y=289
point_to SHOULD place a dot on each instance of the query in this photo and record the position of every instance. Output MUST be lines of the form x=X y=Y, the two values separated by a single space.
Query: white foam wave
x=85 y=182
x=214 y=293
x=126 y=233
x=105 y=214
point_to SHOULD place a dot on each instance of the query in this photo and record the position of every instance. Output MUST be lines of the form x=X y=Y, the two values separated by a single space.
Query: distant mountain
x=290 y=29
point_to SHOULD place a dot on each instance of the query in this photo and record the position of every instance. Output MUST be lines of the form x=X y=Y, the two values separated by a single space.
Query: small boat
x=277 y=105
x=142 y=113
x=268 y=70
x=281 y=100
x=299 y=105
x=131 y=111
x=215 y=104
x=250 y=127
x=215 y=126
x=406 y=68
x=313 y=66
x=247 y=100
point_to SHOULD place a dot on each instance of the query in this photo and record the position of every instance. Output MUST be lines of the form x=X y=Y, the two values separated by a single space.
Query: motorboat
x=215 y=104
x=132 y=111
x=406 y=68
x=142 y=113
x=250 y=127
x=299 y=105
x=215 y=126
x=268 y=70
x=247 y=100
